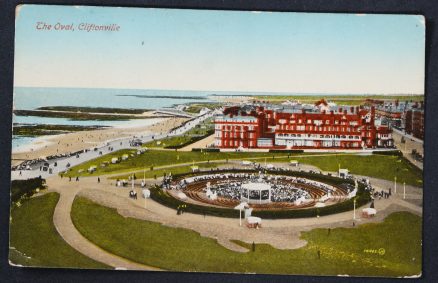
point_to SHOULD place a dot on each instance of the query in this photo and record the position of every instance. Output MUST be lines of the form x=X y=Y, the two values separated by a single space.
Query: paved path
x=281 y=233
x=67 y=230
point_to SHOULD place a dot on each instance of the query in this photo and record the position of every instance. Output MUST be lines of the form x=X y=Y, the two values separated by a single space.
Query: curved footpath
x=281 y=233
x=67 y=230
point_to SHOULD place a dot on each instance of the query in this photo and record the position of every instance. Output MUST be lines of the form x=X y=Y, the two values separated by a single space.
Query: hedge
x=286 y=151
x=362 y=198
x=206 y=149
x=26 y=188
x=389 y=152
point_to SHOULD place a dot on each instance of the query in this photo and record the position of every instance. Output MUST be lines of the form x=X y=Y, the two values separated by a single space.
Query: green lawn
x=172 y=141
x=344 y=251
x=35 y=240
x=160 y=172
x=159 y=158
x=204 y=128
x=378 y=166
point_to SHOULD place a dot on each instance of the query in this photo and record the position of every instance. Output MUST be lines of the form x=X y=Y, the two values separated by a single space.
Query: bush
x=25 y=188
x=389 y=152
x=362 y=198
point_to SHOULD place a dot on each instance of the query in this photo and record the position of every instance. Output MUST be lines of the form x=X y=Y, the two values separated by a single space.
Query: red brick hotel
x=261 y=125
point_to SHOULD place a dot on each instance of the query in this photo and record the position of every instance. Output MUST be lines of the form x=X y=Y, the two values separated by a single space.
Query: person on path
x=98 y=179
x=77 y=178
x=253 y=246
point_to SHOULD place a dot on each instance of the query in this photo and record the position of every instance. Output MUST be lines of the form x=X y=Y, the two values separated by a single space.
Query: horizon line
x=257 y=92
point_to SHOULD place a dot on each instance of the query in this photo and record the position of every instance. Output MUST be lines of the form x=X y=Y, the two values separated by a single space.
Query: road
x=117 y=144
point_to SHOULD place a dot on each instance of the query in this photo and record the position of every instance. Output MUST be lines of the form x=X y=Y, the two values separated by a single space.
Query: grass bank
x=154 y=158
x=34 y=240
x=148 y=174
x=378 y=166
x=344 y=251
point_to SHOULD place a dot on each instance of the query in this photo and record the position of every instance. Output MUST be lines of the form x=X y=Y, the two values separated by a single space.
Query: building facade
x=300 y=127
x=414 y=123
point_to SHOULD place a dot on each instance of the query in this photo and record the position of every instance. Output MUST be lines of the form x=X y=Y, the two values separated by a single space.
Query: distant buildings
x=297 y=126
x=414 y=123
x=407 y=116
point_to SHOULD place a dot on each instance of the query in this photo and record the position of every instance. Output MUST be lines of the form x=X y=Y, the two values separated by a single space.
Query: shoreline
x=76 y=141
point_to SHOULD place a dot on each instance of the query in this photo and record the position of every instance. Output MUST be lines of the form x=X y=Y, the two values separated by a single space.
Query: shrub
x=389 y=152
x=25 y=188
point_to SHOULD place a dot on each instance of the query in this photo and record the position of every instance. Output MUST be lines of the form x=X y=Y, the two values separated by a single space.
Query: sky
x=221 y=50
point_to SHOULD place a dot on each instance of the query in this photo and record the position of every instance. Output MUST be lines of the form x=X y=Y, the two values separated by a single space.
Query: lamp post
x=395 y=184
x=404 y=190
x=354 y=209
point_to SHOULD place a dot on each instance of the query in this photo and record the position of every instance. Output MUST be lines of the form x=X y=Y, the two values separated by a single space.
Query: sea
x=29 y=98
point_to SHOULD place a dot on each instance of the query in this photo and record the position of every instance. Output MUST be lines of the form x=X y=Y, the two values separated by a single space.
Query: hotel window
x=327 y=121
x=309 y=121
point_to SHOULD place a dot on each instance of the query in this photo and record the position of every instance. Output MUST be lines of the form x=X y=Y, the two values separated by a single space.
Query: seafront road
x=117 y=144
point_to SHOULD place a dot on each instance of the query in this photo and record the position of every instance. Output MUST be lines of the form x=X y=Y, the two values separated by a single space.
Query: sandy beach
x=71 y=142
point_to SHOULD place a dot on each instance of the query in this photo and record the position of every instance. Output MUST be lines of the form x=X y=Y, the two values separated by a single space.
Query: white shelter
x=254 y=192
x=343 y=173
x=294 y=163
x=240 y=207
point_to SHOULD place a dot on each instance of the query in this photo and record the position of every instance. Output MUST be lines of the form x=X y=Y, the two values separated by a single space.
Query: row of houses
x=407 y=116
x=298 y=126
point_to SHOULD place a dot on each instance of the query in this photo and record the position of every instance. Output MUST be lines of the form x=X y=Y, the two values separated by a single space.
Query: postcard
x=218 y=141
